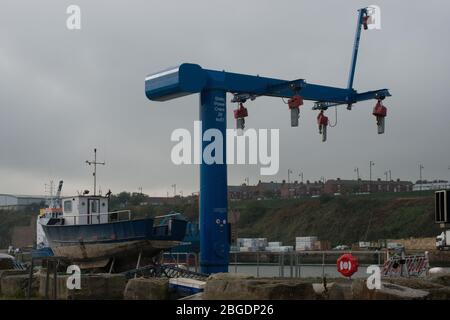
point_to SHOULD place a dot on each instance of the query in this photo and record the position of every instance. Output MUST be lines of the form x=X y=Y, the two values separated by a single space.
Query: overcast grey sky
x=63 y=92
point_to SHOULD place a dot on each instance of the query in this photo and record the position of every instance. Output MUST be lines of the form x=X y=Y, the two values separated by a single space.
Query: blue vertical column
x=214 y=235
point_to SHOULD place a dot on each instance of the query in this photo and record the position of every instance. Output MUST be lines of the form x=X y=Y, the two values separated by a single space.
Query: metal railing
x=164 y=270
x=174 y=257
x=295 y=261
x=90 y=218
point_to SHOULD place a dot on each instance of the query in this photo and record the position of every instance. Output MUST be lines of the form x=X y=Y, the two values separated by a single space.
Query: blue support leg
x=214 y=235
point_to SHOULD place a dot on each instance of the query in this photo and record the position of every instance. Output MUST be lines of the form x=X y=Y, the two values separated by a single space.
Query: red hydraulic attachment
x=294 y=104
x=380 y=112
x=365 y=22
x=239 y=114
x=347 y=264
x=322 y=121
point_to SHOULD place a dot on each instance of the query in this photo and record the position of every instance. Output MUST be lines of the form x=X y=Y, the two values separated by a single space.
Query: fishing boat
x=82 y=230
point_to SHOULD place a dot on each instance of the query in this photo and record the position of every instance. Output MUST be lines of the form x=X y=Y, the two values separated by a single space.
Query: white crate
x=260 y=243
x=364 y=244
x=303 y=247
x=306 y=239
x=280 y=249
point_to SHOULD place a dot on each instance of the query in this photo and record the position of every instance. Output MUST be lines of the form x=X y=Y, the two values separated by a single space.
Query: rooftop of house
x=379 y=181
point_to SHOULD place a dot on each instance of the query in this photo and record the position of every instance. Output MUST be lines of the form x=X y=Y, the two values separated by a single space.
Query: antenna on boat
x=49 y=189
x=95 y=163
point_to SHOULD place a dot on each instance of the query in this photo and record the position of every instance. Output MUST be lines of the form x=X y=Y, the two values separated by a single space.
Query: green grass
x=340 y=219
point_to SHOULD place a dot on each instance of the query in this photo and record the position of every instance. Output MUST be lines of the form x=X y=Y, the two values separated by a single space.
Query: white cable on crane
x=335 y=118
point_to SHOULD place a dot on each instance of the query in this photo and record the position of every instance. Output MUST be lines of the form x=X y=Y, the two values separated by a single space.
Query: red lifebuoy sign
x=347 y=265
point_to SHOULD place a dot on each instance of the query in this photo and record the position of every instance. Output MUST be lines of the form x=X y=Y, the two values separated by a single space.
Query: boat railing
x=94 y=218
x=118 y=212
x=167 y=215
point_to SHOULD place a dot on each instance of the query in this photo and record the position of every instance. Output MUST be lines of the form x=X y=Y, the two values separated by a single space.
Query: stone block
x=147 y=289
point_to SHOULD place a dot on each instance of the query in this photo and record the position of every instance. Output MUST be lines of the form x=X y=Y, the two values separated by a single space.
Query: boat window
x=68 y=206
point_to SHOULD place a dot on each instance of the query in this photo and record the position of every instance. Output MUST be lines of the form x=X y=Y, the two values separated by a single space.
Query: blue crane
x=213 y=86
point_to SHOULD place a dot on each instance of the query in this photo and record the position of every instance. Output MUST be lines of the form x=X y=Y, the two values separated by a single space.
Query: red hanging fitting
x=239 y=114
x=294 y=104
x=322 y=121
x=365 y=21
x=380 y=112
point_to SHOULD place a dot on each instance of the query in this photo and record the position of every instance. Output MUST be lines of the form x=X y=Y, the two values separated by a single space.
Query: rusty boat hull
x=96 y=245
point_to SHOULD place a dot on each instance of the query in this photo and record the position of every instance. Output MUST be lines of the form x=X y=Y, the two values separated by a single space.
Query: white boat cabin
x=85 y=210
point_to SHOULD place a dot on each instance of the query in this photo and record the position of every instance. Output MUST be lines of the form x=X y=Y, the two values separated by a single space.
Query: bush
x=324 y=198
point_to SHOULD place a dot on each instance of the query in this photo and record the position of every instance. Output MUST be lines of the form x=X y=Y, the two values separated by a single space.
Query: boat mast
x=95 y=163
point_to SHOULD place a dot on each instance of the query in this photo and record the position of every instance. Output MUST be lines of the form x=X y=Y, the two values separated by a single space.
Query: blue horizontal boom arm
x=191 y=78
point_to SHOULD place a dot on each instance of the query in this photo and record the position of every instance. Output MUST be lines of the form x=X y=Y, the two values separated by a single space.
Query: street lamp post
x=386 y=174
x=371 y=164
x=357 y=173
x=448 y=168
x=421 y=167
x=174 y=186
x=289 y=175
x=447 y=185
x=357 y=178
x=301 y=175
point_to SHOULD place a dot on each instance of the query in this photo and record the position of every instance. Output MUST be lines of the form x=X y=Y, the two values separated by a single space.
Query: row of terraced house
x=296 y=189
